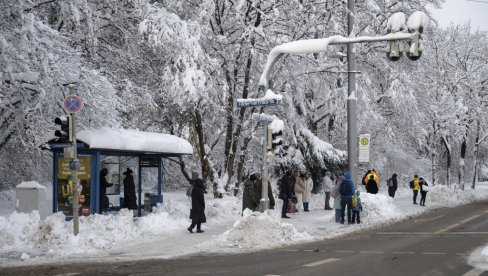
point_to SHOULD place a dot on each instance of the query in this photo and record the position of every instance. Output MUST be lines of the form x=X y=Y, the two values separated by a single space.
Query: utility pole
x=352 y=100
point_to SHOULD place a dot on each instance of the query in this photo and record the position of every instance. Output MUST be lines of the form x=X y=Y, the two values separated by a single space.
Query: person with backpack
x=346 y=189
x=392 y=184
x=423 y=190
x=372 y=187
x=414 y=185
x=327 y=187
x=357 y=207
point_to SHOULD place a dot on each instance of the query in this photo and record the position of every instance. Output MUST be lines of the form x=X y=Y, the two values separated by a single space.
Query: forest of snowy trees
x=178 y=67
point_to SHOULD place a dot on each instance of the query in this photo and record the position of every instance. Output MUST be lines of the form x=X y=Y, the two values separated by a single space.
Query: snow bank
x=261 y=230
x=379 y=209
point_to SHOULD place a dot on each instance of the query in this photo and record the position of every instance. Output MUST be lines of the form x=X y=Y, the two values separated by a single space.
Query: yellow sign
x=64 y=171
x=364 y=141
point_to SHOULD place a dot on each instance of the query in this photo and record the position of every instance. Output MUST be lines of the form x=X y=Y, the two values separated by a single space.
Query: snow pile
x=396 y=22
x=379 y=208
x=479 y=258
x=261 y=230
x=445 y=196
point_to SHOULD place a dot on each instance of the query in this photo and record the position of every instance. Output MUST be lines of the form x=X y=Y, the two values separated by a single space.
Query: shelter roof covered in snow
x=134 y=140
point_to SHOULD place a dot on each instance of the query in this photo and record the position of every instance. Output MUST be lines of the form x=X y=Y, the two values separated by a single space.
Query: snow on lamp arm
x=417 y=21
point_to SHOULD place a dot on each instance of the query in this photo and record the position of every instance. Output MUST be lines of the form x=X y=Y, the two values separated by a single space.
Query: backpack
x=354 y=201
x=412 y=185
x=345 y=188
x=389 y=182
x=189 y=190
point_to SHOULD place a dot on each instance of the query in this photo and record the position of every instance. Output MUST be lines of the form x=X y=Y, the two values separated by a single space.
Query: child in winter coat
x=357 y=207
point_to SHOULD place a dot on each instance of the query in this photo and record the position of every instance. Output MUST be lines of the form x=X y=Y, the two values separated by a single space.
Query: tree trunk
x=448 y=165
x=461 y=164
x=476 y=150
x=433 y=151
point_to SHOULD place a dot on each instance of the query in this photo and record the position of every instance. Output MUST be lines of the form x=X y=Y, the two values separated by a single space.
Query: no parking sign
x=72 y=104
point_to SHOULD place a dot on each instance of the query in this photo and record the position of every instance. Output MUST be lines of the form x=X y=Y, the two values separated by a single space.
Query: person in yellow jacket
x=375 y=176
x=415 y=186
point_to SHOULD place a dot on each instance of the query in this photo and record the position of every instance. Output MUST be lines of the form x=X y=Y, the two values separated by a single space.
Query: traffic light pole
x=264 y=202
x=74 y=169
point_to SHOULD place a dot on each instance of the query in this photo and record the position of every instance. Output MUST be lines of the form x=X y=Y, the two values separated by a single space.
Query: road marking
x=372 y=252
x=434 y=253
x=344 y=251
x=456 y=224
x=474 y=272
x=408 y=252
x=326 y=261
x=432 y=233
x=429 y=219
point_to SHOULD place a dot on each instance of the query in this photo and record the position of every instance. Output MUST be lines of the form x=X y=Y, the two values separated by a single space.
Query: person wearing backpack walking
x=357 y=207
x=414 y=185
x=392 y=184
x=346 y=189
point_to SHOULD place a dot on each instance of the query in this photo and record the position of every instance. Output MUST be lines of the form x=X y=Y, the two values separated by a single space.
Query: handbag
x=425 y=188
x=292 y=207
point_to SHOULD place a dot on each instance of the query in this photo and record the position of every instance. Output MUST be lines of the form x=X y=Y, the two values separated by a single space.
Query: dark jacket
x=422 y=183
x=371 y=186
x=258 y=191
x=395 y=183
x=248 y=196
x=197 y=213
x=103 y=189
x=129 y=193
x=286 y=186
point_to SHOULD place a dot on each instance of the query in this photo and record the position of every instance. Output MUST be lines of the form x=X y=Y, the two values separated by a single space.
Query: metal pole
x=264 y=202
x=352 y=131
x=74 y=170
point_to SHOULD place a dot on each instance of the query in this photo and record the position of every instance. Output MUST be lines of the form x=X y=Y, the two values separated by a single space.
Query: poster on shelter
x=65 y=194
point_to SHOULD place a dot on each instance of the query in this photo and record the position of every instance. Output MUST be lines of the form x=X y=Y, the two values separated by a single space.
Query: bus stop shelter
x=97 y=145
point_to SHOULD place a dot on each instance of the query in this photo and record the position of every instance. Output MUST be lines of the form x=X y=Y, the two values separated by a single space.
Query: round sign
x=72 y=104
x=364 y=141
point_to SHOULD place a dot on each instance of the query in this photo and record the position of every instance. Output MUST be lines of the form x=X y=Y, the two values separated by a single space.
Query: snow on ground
x=28 y=239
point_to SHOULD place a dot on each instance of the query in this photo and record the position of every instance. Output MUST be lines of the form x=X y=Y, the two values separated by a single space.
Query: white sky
x=462 y=11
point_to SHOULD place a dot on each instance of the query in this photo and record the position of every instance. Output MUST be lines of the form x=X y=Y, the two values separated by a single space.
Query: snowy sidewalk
x=25 y=239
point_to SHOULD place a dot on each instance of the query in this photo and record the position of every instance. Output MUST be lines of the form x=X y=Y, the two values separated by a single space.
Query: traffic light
x=394 y=53
x=415 y=50
x=64 y=133
x=274 y=139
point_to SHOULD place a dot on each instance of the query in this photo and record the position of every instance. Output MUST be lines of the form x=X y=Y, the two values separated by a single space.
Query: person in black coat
x=129 y=190
x=197 y=213
x=394 y=187
x=286 y=185
x=371 y=186
x=103 y=189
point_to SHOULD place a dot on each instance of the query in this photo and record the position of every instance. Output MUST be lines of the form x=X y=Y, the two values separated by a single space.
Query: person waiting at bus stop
x=104 y=204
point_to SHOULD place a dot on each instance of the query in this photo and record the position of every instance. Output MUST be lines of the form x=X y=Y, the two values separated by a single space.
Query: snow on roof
x=134 y=140
x=30 y=185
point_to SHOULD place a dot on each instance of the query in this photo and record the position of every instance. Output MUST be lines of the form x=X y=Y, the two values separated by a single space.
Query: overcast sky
x=460 y=11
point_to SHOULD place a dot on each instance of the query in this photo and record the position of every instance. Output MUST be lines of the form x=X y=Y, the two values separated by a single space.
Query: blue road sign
x=245 y=103
x=72 y=104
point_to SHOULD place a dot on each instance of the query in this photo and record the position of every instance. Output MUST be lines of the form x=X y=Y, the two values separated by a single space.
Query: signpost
x=265 y=120
x=72 y=104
